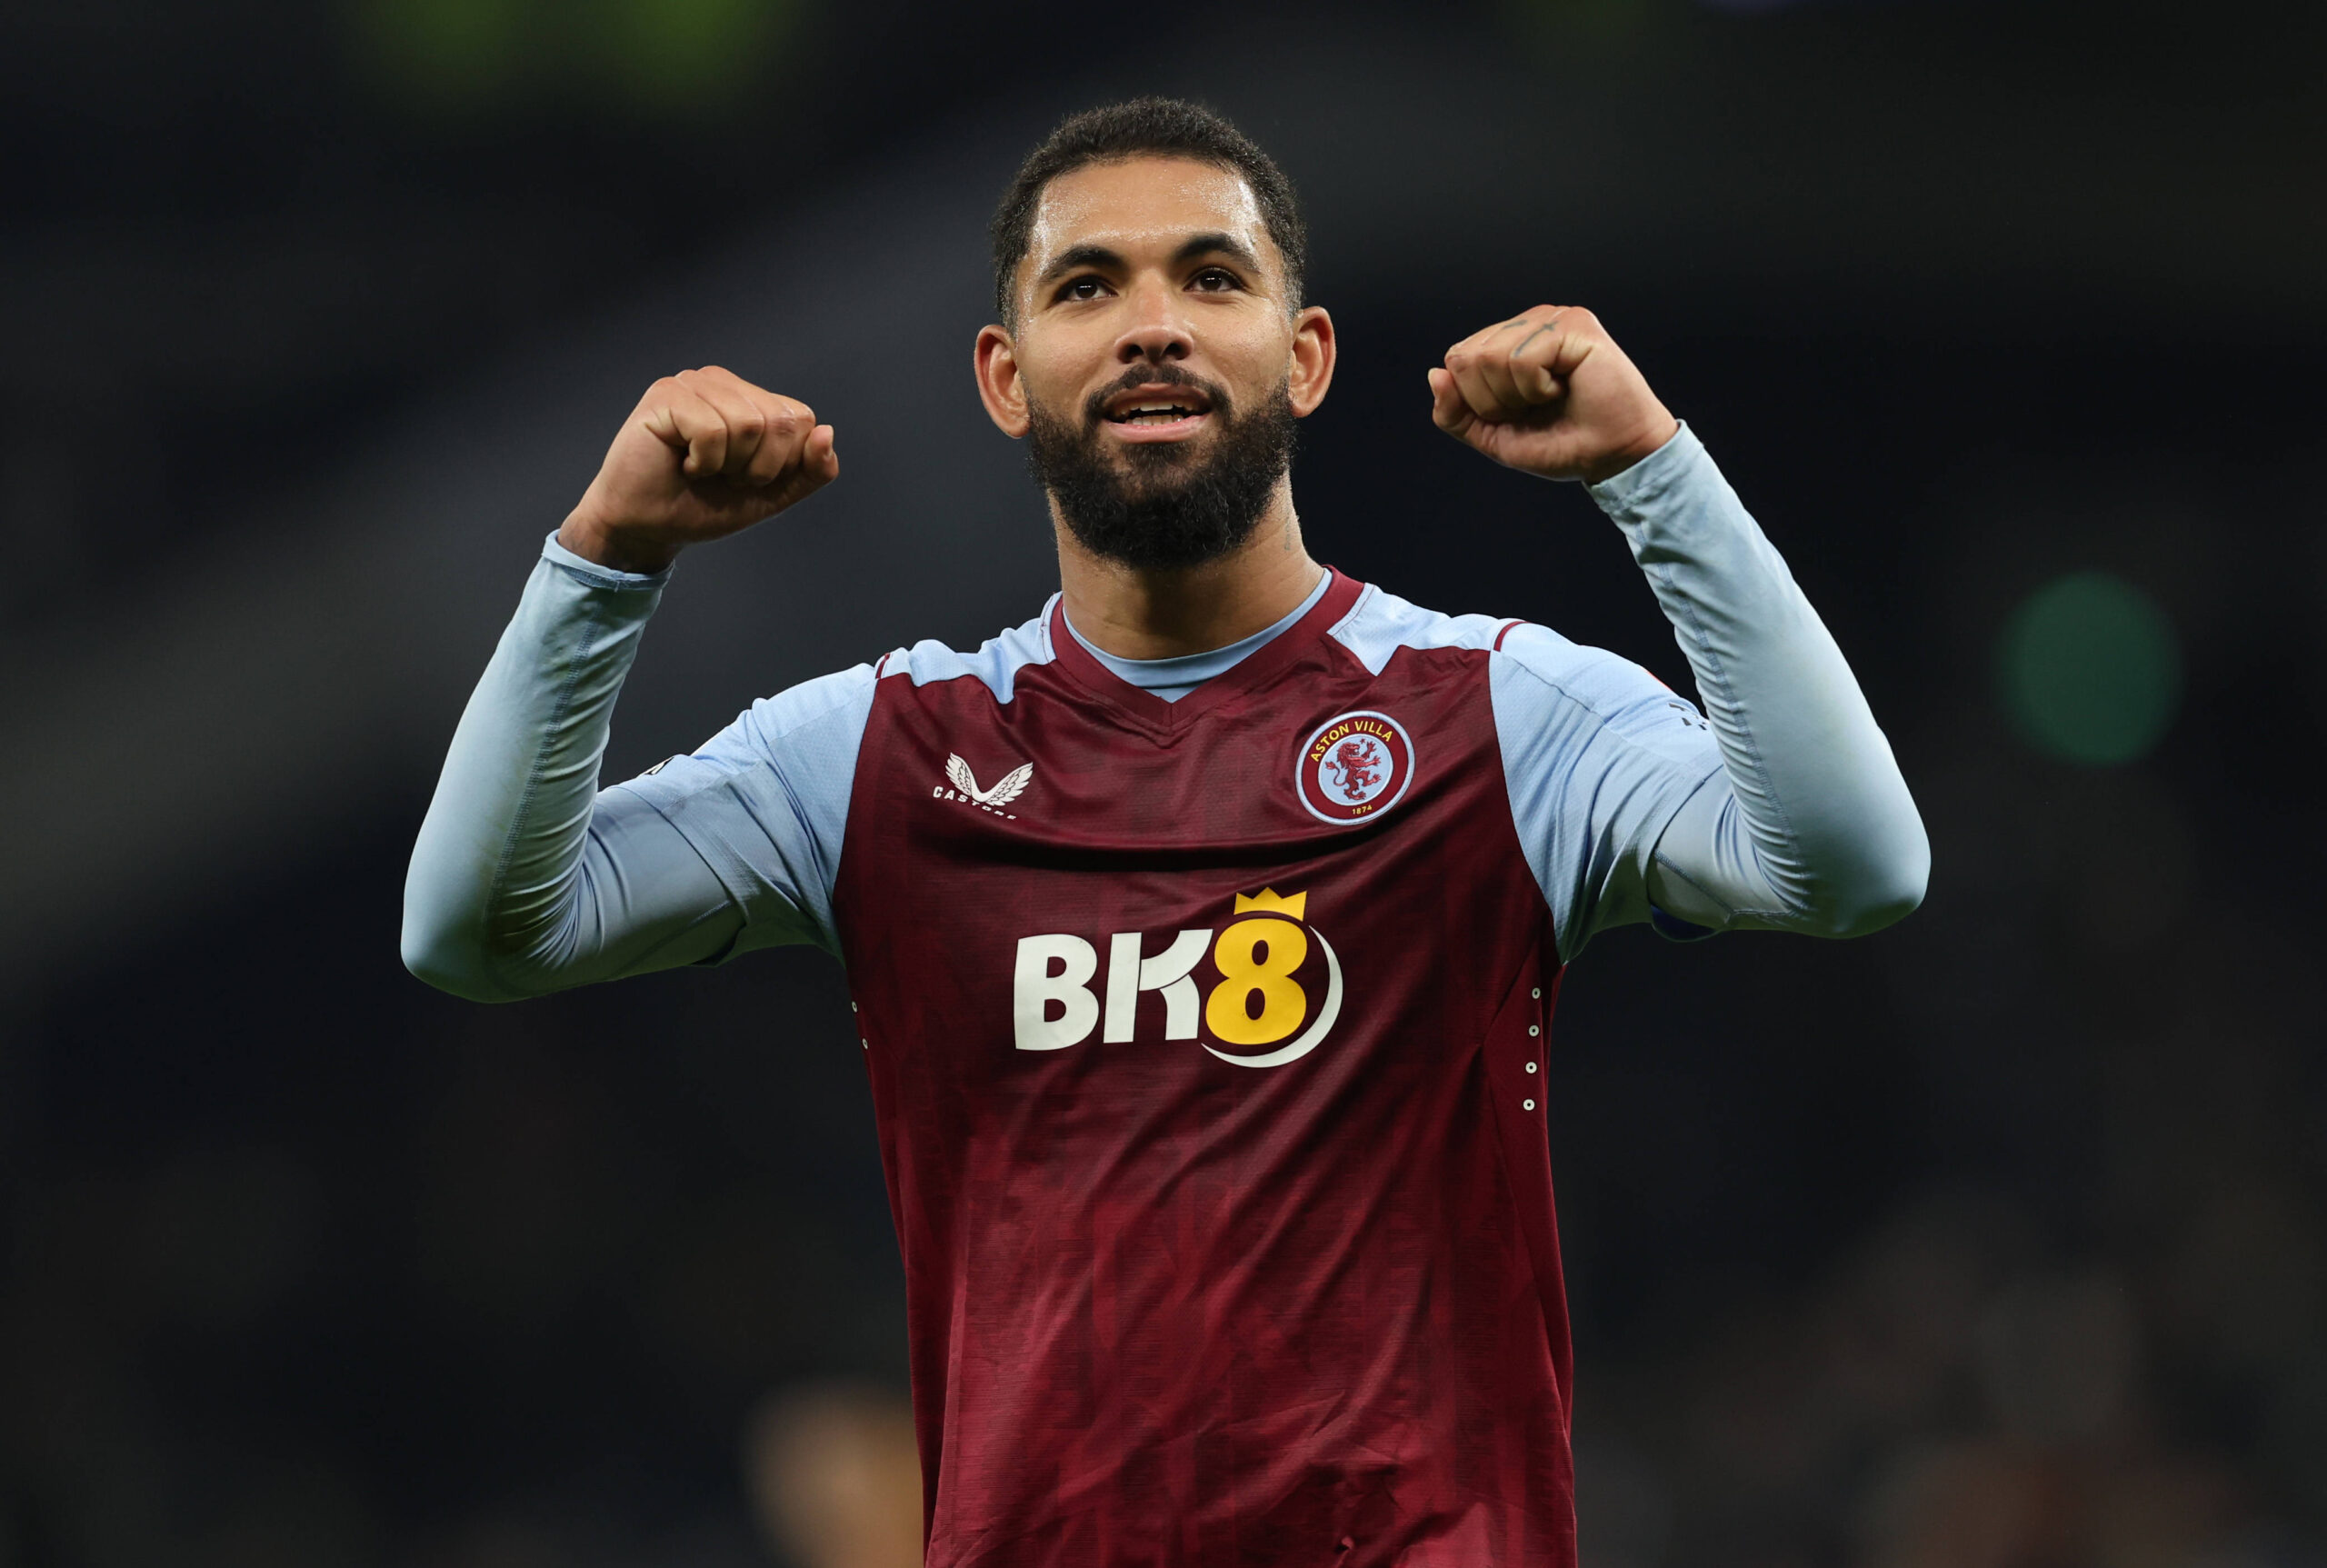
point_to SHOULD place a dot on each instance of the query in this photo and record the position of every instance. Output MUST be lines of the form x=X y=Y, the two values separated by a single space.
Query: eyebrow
x=1219 y=244
x=1076 y=257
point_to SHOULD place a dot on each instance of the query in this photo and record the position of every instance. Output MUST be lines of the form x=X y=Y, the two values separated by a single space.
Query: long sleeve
x=519 y=884
x=528 y=878
x=1778 y=807
x=1810 y=827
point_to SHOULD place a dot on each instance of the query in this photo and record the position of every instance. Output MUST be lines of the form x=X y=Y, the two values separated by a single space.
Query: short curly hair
x=1158 y=127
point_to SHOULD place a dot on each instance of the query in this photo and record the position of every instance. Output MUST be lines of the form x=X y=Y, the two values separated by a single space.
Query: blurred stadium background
x=1993 y=1242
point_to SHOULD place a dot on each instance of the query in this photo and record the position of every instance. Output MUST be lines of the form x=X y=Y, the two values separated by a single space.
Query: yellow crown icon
x=1268 y=902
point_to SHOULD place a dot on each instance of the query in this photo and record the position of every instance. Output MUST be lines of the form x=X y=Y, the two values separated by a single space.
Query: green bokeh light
x=681 y=57
x=2091 y=670
x=681 y=54
x=445 y=51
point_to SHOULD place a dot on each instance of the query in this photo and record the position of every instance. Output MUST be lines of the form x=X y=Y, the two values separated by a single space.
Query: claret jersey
x=1206 y=1036
x=1206 y=1041
x=1211 y=1100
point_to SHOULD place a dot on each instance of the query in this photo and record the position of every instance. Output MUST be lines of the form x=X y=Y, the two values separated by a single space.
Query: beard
x=1164 y=505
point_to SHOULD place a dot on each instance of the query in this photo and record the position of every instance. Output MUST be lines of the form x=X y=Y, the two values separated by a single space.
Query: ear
x=1314 y=351
x=999 y=387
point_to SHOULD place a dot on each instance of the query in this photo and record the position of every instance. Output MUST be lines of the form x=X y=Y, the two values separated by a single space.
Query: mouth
x=1158 y=413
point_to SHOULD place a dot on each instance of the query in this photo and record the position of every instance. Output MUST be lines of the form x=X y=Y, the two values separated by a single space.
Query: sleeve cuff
x=1628 y=495
x=596 y=576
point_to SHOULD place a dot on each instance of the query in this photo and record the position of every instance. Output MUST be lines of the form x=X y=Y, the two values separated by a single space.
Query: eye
x=1215 y=280
x=1085 y=287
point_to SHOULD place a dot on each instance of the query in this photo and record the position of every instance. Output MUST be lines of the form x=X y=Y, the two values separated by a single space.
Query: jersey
x=1206 y=1046
x=1204 y=1036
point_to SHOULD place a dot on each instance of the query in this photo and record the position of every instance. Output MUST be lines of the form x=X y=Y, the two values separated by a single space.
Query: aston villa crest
x=1355 y=767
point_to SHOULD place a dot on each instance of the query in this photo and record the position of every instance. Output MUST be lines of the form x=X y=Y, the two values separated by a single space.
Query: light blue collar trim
x=1172 y=679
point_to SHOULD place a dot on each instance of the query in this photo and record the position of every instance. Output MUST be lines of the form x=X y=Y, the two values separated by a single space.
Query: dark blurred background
x=1993 y=1241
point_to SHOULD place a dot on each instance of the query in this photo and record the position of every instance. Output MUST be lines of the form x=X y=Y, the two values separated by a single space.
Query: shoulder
x=1532 y=669
x=1380 y=624
x=801 y=706
x=1605 y=684
x=1551 y=691
x=818 y=720
x=994 y=663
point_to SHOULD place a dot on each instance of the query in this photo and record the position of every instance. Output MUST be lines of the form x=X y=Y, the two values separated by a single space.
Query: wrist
x=616 y=549
x=1654 y=438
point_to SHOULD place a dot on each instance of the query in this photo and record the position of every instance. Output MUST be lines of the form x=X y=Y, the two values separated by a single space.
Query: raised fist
x=1548 y=391
x=704 y=454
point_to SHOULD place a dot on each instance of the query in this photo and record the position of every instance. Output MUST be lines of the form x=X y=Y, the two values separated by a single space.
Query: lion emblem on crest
x=1356 y=767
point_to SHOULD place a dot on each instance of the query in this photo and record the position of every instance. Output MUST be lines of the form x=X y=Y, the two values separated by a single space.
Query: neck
x=1164 y=614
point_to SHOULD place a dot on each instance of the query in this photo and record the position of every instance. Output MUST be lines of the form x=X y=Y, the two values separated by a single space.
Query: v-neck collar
x=1164 y=719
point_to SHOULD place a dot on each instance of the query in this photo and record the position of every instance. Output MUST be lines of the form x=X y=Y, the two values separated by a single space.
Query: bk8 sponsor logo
x=1262 y=991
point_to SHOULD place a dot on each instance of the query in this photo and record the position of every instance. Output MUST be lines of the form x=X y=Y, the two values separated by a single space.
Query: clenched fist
x=1549 y=392
x=704 y=454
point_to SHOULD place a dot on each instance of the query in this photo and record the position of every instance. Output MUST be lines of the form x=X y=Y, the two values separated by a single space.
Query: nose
x=1155 y=334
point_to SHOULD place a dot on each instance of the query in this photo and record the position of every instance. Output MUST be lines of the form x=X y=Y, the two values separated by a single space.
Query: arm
x=1788 y=812
x=526 y=877
x=1808 y=827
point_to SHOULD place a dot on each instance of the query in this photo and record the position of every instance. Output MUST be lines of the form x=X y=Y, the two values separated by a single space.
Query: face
x=1155 y=367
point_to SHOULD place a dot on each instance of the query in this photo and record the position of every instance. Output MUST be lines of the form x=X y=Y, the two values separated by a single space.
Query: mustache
x=1094 y=408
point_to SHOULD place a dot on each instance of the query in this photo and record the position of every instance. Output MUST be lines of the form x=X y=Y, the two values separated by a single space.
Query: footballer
x=1203 y=931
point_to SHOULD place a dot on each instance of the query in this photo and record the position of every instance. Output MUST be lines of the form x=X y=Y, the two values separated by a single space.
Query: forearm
x=1812 y=827
x=524 y=879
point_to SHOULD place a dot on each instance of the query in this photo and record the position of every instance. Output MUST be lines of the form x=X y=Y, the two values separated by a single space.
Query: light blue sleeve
x=1598 y=756
x=765 y=802
x=1780 y=808
x=527 y=878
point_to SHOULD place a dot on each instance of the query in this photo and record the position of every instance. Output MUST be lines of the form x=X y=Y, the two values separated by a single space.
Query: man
x=1203 y=931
